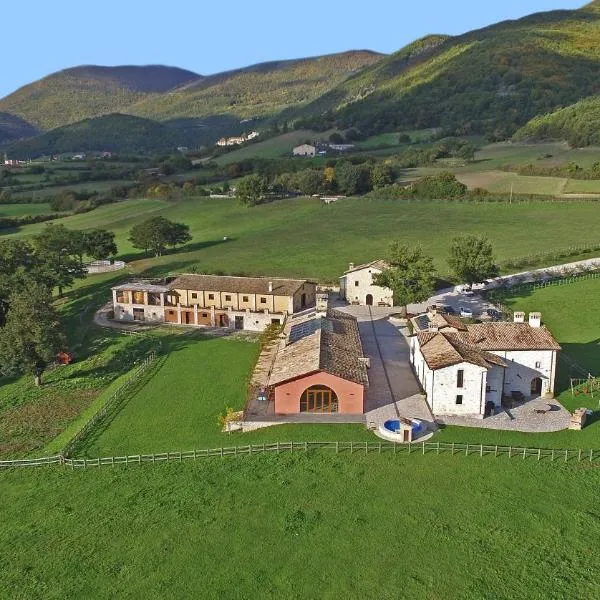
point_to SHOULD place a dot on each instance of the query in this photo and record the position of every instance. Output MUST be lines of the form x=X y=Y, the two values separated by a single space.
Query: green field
x=23 y=210
x=275 y=147
x=582 y=186
x=302 y=237
x=303 y=526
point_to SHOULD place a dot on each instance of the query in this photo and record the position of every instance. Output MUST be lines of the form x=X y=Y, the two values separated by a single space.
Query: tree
x=382 y=175
x=310 y=181
x=157 y=233
x=336 y=138
x=61 y=251
x=353 y=179
x=466 y=152
x=31 y=338
x=99 y=244
x=471 y=258
x=250 y=190
x=410 y=274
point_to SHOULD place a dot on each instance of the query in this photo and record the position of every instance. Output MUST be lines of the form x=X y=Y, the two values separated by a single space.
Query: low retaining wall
x=104 y=266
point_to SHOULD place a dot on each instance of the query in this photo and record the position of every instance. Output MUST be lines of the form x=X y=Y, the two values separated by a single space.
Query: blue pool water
x=393 y=425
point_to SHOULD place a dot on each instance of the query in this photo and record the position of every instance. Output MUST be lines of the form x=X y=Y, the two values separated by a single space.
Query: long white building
x=467 y=369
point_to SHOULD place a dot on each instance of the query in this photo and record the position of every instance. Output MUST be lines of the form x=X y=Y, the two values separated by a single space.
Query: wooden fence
x=116 y=398
x=349 y=448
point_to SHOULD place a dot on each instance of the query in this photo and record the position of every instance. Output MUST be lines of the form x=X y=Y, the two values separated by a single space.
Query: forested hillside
x=13 y=128
x=488 y=81
x=579 y=124
x=82 y=92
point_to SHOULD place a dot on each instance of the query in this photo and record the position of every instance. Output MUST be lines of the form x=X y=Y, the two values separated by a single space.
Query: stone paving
x=521 y=418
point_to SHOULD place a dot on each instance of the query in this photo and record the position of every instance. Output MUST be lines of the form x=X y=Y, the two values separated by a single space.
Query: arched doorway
x=319 y=399
x=536 y=386
x=369 y=299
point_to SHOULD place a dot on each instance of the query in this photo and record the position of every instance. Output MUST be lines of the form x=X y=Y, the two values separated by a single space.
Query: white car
x=465 y=312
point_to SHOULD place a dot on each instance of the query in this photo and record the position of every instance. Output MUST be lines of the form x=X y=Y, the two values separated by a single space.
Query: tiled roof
x=332 y=345
x=510 y=336
x=249 y=285
x=375 y=264
x=442 y=350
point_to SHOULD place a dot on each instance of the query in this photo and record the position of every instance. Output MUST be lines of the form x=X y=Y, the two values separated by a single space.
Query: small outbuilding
x=357 y=286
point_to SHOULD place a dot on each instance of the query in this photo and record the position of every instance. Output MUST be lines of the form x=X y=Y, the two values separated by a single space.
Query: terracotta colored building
x=319 y=367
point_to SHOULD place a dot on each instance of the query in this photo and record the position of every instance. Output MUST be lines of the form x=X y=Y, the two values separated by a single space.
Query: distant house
x=357 y=287
x=11 y=162
x=238 y=140
x=80 y=156
x=304 y=150
x=341 y=147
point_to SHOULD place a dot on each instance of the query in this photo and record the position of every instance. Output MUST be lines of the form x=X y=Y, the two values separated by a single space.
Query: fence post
x=467 y=450
x=452 y=450
x=510 y=452
x=566 y=455
x=337 y=447
x=423 y=447
x=591 y=454
x=351 y=447
x=524 y=453
x=481 y=450
x=277 y=449
x=409 y=447
x=496 y=451
x=438 y=447
x=579 y=454
x=539 y=453
x=552 y=455
x=379 y=447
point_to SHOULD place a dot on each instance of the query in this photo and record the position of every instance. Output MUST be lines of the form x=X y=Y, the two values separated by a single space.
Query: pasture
x=303 y=526
x=24 y=210
x=304 y=238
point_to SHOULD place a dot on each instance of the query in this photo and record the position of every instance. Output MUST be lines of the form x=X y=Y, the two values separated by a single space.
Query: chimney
x=519 y=317
x=270 y=286
x=350 y=266
x=535 y=319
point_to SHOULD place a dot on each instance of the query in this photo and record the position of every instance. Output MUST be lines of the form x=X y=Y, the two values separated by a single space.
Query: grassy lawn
x=304 y=238
x=501 y=182
x=23 y=210
x=178 y=408
x=304 y=526
x=582 y=186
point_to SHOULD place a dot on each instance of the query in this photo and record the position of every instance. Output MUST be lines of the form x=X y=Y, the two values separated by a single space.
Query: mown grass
x=178 y=408
x=304 y=238
x=304 y=526
x=23 y=210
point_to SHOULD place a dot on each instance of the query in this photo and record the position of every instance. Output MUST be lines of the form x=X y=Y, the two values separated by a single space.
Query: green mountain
x=259 y=90
x=14 y=128
x=89 y=91
x=110 y=133
x=492 y=79
x=579 y=124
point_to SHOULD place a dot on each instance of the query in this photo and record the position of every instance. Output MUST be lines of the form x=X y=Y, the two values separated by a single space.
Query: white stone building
x=357 y=287
x=467 y=369
x=304 y=150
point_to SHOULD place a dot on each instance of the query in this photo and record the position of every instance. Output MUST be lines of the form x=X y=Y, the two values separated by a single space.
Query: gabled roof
x=249 y=285
x=375 y=264
x=441 y=350
x=328 y=343
x=510 y=336
x=444 y=349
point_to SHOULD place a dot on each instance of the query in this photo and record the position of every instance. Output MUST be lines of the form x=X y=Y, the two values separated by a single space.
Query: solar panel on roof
x=302 y=330
x=422 y=322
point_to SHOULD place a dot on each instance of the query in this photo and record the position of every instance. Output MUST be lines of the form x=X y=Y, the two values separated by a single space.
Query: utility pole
x=511 y=193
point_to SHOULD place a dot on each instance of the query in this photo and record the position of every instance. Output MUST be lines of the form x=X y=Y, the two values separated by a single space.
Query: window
x=263 y=300
x=138 y=314
x=356 y=284
x=244 y=298
x=459 y=399
x=138 y=298
x=204 y=315
x=460 y=378
x=275 y=322
x=121 y=298
x=538 y=365
x=227 y=298
x=211 y=296
x=194 y=295
x=319 y=399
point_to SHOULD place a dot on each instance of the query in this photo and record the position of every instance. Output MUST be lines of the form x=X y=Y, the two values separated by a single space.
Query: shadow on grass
x=194 y=247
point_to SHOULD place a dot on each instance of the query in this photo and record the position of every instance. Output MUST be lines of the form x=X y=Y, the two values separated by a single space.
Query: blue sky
x=208 y=36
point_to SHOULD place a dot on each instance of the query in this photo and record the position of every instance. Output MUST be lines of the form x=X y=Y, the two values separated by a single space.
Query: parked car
x=494 y=314
x=465 y=312
x=447 y=309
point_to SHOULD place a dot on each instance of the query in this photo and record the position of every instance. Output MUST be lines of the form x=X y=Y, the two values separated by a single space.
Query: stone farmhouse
x=319 y=366
x=237 y=140
x=357 y=287
x=250 y=303
x=467 y=370
x=304 y=150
